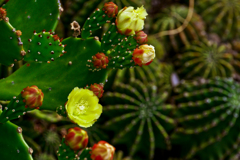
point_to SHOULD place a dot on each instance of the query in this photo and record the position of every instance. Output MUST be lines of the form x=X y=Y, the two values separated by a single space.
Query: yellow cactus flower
x=130 y=20
x=82 y=107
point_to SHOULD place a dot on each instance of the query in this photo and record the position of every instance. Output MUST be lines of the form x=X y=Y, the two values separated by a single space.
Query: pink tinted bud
x=76 y=138
x=111 y=9
x=141 y=37
x=97 y=89
x=102 y=151
x=32 y=97
x=100 y=60
x=3 y=13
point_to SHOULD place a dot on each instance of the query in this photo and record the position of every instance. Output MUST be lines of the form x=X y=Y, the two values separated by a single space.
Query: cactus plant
x=208 y=117
x=204 y=59
x=222 y=17
x=140 y=112
x=172 y=18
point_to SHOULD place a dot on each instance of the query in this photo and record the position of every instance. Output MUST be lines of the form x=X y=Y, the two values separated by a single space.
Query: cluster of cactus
x=182 y=105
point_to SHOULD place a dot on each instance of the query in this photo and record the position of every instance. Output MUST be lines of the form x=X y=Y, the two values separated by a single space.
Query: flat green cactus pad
x=33 y=15
x=58 y=78
x=10 y=46
x=13 y=146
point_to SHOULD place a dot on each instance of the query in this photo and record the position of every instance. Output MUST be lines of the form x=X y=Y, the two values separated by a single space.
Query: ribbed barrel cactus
x=143 y=116
x=221 y=16
x=204 y=59
x=208 y=116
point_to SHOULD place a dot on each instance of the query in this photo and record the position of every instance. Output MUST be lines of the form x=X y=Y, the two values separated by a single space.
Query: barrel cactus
x=221 y=16
x=208 y=117
x=206 y=60
x=143 y=116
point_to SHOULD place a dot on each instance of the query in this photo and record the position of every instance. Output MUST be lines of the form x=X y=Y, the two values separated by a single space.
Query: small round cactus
x=76 y=138
x=206 y=60
x=141 y=117
x=208 y=117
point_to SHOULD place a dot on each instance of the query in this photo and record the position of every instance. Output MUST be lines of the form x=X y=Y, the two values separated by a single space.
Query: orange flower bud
x=111 y=9
x=100 y=60
x=97 y=89
x=102 y=151
x=141 y=37
x=3 y=13
x=76 y=138
x=33 y=97
x=144 y=55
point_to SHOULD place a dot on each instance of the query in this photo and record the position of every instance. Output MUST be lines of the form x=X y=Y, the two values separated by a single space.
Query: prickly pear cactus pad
x=208 y=117
x=12 y=144
x=11 y=46
x=221 y=16
x=139 y=117
x=65 y=152
x=204 y=59
x=58 y=78
x=33 y=15
x=44 y=47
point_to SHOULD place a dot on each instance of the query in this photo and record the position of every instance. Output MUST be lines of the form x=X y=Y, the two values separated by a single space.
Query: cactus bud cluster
x=100 y=60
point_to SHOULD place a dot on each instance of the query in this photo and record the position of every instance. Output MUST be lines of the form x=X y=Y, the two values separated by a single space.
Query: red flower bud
x=97 y=89
x=102 y=151
x=76 y=138
x=111 y=9
x=141 y=37
x=100 y=60
x=33 y=97
x=3 y=13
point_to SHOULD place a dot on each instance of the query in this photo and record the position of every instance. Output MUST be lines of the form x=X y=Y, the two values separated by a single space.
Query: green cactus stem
x=57 y=79
x=137 y=114
x=221 y=16
x=12 y=144
x=65 y=152
x=33 y=15
x=208 y=117
x=11 y=46
x=44 y=47
x=204 y=59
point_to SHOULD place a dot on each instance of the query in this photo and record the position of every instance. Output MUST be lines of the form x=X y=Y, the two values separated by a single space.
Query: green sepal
x=44 y=47
x=33 y=15
x=57 y=79
x=94 y=22
x=12 y=144
x=14 y=109
x=11 y=45
x=65 y=152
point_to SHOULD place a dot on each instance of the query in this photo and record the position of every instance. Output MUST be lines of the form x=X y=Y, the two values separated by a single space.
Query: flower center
x=81 y=108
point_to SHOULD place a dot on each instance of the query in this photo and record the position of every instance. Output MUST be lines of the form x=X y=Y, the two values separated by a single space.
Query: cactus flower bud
x=97 y=89
x=76 y=138
x=130 y=21
x=3 y=13
x=102 y=151
x=141 y=37
x=111 y=9
x=32 y=97
x=144 y=55
x=82 y=107
x=100 y=60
